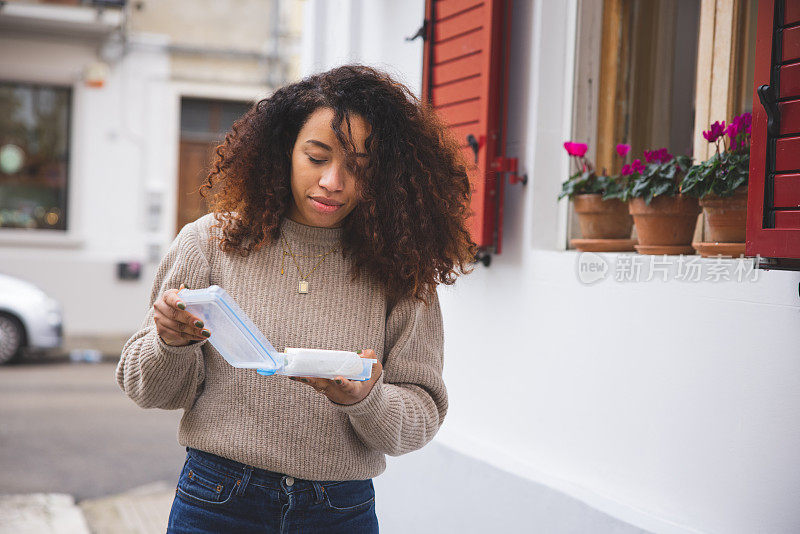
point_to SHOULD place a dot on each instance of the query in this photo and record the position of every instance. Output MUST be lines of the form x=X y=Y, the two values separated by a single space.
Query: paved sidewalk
x=143 y=510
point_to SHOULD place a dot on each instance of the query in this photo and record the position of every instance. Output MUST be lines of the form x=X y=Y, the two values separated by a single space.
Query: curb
x=142 y=510
x=56 y=513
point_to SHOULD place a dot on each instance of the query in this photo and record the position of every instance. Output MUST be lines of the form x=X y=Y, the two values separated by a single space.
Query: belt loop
x=244 y=480
x=319 y=491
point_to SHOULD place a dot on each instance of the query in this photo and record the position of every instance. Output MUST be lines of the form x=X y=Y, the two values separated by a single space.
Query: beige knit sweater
x=272 y=422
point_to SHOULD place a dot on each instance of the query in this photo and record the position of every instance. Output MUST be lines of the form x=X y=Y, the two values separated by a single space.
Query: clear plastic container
x=243 y=345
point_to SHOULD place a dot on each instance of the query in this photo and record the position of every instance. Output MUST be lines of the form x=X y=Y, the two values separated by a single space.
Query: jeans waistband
x=257 y=476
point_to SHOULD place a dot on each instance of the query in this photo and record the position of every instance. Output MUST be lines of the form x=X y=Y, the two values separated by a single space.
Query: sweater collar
x=296 y=232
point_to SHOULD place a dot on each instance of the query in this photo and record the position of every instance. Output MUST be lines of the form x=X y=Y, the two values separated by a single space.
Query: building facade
x=636 y=403
x=111 y=111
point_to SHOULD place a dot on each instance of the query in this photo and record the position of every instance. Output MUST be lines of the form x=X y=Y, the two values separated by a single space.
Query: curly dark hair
x=409 y=228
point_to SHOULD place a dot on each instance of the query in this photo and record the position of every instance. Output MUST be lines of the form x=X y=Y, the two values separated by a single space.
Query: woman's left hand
x=341 y=390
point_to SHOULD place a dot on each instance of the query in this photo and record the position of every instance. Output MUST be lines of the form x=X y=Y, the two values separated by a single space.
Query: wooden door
x=193 y=164
x=204 y=124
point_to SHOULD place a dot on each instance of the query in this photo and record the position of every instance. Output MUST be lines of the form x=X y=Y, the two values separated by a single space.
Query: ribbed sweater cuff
x=371 y=406
x=168 y=351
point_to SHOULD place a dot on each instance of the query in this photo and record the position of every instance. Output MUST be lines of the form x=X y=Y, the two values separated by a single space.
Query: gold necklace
x=286 y=253
x=303 y=285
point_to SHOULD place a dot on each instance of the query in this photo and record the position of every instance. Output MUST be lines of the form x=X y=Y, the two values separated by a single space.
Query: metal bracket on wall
x=421 y=32
x=509 y=166
x=483 y=257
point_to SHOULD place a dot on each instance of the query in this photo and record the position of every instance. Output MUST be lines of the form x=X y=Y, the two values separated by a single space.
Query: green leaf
x=661 y=189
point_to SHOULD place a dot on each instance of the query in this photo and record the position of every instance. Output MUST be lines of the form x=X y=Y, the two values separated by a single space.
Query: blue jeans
x=218 y=495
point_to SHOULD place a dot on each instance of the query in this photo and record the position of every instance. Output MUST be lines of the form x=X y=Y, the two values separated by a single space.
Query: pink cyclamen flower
x=657 y=156
x=623 y=150
x=717 y=130
x=733 y=130
x=738 y=131
x=627 y=170
x=637 y=166
x=743 y=122
x=746 y=122
x=576 y=149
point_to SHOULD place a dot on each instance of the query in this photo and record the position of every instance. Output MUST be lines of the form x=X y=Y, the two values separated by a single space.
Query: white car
x=29 y=319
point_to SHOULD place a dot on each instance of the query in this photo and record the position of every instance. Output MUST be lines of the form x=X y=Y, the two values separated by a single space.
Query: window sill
x=659 y=259
x=39 y=238
x=728 y=279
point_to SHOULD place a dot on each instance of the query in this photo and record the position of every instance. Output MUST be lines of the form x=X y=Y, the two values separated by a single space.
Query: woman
x=339 y=203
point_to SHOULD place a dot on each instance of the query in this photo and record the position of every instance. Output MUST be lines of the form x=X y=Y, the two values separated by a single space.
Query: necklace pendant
x=303 y=288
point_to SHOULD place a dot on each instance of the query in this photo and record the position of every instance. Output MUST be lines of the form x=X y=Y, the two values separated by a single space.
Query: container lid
x=233 y=334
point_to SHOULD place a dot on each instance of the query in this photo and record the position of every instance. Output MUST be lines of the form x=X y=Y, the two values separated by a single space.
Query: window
x=34 y=149
x=647 y=77
x=209 y=120
x=656 y=73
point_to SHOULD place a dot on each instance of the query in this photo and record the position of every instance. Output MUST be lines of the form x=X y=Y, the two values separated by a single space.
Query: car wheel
x=12 y=338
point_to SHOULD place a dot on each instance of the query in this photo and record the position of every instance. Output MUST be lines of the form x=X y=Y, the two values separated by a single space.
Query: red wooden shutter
x=464 y=77
x=773 y=206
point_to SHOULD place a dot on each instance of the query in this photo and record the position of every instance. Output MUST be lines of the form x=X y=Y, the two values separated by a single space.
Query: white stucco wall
x=672 y=406
x=337 y=32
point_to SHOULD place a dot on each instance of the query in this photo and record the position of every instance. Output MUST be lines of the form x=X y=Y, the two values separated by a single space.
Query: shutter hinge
x=509 y=166
x=421 y=32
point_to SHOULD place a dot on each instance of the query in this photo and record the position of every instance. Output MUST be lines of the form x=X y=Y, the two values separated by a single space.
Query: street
x=68 y=428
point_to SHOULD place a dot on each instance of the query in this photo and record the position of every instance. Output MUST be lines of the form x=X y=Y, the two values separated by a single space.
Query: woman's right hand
x=174 y=324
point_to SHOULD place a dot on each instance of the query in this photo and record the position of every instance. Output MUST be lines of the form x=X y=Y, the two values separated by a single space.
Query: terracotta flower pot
x=726 y=216
x=602 y=219
x=666 y=226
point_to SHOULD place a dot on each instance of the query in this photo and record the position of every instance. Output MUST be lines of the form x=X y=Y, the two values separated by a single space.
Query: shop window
x=34 y=149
